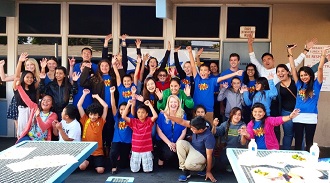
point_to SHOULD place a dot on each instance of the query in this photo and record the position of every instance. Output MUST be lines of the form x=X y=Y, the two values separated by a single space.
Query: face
x=233 y=61
x=258 y=86
x=51 y=65
x=59 y=75
x=127 y=82
x=250 y=71
x=29 y=66
x=236 y=83
x=162 y=76
x=47 y=103
x=86 y=55
x=121 y=109
x=28 y=79
x=104 y=67
x=152 y=63
x=151 y=86
x=304 y=76
x=187 y=68
x=174 y=87
x=258 y=113
x=173 y=104
x=93 y=117
x=200 y=112
x=63 y=114
x=282 y=74
x=237 y=117
x=204 y=72
x=213 y=68
x=268 y=62
x=142 y=114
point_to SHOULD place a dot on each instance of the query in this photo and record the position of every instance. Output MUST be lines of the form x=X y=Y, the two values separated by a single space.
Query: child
x=122 y=137
x=163 y=80
x=141 y=138
x=69 y=128
x=204 y=86
x=265 y=92
x=92 y=124
x=232 y=94
x=261 y=127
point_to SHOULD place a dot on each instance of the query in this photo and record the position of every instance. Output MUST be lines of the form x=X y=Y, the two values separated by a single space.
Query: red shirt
x=162 y=85
x=141 y=137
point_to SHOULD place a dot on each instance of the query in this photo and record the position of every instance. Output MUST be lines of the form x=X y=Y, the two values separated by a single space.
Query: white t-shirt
x=73 y=130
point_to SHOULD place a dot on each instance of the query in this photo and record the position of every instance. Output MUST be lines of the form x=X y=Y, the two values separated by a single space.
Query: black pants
x=108 y=129
x=120 y=149
x=299 y=130
x=163 y=151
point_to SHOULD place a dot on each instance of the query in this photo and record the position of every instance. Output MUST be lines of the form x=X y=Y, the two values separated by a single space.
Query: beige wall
x=295 y=24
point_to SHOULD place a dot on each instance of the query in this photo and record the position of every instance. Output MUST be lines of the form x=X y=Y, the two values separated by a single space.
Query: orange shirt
x=93 y=133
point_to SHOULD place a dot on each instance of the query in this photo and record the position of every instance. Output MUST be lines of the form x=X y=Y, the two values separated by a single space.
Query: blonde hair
x=179 y=112
x=36 y=71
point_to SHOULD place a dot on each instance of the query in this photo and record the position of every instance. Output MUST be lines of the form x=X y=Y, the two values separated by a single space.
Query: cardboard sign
x=244 y=31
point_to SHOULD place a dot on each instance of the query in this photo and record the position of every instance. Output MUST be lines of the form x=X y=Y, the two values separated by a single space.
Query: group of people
x=170 y=113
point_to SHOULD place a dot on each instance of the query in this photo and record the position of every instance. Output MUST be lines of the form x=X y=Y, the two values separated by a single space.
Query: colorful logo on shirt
x=126 y=94
x=203 y=86
x=252 y=89
x=302 y=93
x=107 y=82
x=258 y=132
x=185 y=81
x=122 y=125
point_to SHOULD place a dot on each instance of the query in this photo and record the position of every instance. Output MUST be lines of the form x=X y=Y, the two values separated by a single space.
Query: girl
x=307 y=98
x=122 y=138
x=232 y=94
x=168 y=132
x=51 y=65
x=261 y=127
x=27 y=81
x=265 y=91
x=148 y=93
x=39 y=123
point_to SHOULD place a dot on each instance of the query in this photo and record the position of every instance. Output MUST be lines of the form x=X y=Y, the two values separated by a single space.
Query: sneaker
x=185 y=176
x=201 y=173
x=229 y=169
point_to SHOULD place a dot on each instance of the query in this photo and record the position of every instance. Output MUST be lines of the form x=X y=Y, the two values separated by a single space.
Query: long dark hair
x=262 y=106
x=52 y=108
x=231 y=114
x=31 y=87
x=66 y=83
x=264 y=86
x=310 y=83
x=146 y=93
x=246 y=77
x=231 y=87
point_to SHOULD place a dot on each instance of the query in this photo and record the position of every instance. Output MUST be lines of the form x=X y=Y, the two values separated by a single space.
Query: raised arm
x=237 y=73
x=113 y=101
x=192 y=61
x=125 y=112
x=5 y=78
x=22 y=58
x=124 y=59
x=137 y=70
x=198 y=57
x=26 y=99
x=154 y=113
x=115 y=69
x=72 y=61
x=104 y=105
x=43 y=65
x=167 y=55
x=105 y=48
x=143 y=66
x=138 y=47
x=320 y=68
x=293 y=68
x=223 y=94
x=81 y=101
x=181 y=72
x=180 y=121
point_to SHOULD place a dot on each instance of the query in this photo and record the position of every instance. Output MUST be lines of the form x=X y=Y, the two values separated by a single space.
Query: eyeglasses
x=249 y=69
x=162 y=75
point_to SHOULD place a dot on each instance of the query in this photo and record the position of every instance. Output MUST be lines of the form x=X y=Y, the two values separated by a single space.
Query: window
x=3 y=56
x=40 y=18
x=248 y=16
x=140 y=21
x=146 y=44
x=90 y=19
x=197 y=22
x=2 y=24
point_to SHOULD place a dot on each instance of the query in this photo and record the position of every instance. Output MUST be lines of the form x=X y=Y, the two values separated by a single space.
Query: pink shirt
x=141 y=137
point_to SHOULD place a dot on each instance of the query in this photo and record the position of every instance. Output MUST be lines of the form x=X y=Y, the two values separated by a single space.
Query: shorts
x=96 y=161
x=145 y=157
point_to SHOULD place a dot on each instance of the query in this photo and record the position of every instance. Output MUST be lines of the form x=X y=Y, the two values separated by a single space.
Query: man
x=234 y=60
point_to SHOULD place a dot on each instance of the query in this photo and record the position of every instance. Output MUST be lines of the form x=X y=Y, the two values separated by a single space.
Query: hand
x=129 y=102
x=147 y=103
x=54 y=123
x=244 y=89
x=133 y=89
x=42 y=75
x=139 y=98
x=172 y=71
x=209 y=175
x=200 y=51
x=189 y=48
x=95 y=96
x=311 y=43
x=114 y=61
x=138 y=59
x=215 y=122
x=17 y=81
x=2 y=63
x=72 y=61
x=172 y=146
x=37 y=113
x=250 y=39
x=58 y=125
x=239 y=72
x=225 y=85
x=108 y=38
x=86 y=91
x=177 y=49
x=112 y=89
x=324 y=50
x=76 y=76
x=291 y=48
x=168 y=45
x=159 y=94
x=43 y=62
x=138 y=43
x=294 y=113
x=124 y=36
x=242 y=131
x=270 y=76
x=23 y=57
x=152 y=71
x=187 y=90
x=146 y=57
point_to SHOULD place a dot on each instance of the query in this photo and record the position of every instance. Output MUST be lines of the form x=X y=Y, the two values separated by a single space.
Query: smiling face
x=258 y=113
x=268 y=62
x=173 y=104
x=46 y=103
x=250 y=71
x=162 y=76
x=93 y=117
x=304 y=77
x=59 y=75
x=86 y=55
x=204 y=72
x=187 y=68
x=258 y=86
x=174 y=87
x=29 y=66
x=236 y=84
x=234 y=62
x=200 y=112
x=214 y=68
x=282 y=74
x=104 y=67
x=28 y=79
x=127 y=81
x=151 y=86
x=152 y=63
x=51 y=65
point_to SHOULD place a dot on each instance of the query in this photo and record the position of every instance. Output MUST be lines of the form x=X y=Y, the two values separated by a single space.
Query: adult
x=48 y=67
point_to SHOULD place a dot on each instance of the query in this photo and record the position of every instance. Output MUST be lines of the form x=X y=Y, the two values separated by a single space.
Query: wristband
x=306 y=49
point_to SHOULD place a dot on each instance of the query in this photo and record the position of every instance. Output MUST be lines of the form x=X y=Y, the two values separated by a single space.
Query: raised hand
x=108 y=38
x=200 y=51
x=2 y=63
x=17 y=81
x=139 y=98
x=23 y=57
x=133 y=89
x=76 y=76
x=129 y=102
x=168 y=45
x=159 y=94
x=311 y=43
x=72 y=61
x=250 y=39
x=189 y=48
x=239 y=72
x=138 y=59
x=172 y=71
x=177 y=49
x=291 y=48
x=146 y=57
x=270 y=76
x=324 y=50
x=112 y=89
x=95 y=96
x=124 y=36
x=147 y=103
x=42 y=75
x=225 y=85
x=187 y=90
x=138 y=43
x=114 y=61
x=43 y=63
x=86 y=91
x=244 y=89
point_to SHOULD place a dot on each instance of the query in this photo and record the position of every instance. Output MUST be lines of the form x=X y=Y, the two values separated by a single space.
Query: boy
x=197 y=155
x=141 y=137
x=69 y=128
x=92 y=124
x=204 y=85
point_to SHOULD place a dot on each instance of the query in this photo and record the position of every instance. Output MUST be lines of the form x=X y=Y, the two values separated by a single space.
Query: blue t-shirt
x=184 y=82
x=308 y=105
x=203 y=141
x=47 y=80
x=226 y=72
x=259 y=135
x=216 y=89
x=76 y=67
x=122 y=133
x=88 y=99
x=171 y=131
x=251 y=87
x=204 y=92
x=125 y=94
x=107 y=84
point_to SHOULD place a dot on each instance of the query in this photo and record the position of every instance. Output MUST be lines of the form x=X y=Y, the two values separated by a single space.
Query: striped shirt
x=141 y=137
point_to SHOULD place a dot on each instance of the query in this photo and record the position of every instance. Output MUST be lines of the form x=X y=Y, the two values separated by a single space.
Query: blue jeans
x=288 y=131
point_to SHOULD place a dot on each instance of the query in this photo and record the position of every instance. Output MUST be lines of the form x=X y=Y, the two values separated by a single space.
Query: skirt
x=12 y=112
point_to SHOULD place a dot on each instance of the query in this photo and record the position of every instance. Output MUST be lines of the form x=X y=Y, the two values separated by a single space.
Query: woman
x=49 y=65
x=168 y=132
x=149 y=89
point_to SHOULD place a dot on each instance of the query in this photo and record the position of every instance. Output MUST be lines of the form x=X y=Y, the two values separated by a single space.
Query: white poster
x=312 y=58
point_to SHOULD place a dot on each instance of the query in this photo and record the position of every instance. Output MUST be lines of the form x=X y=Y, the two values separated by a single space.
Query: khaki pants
x=209 y=117
x=189 y=157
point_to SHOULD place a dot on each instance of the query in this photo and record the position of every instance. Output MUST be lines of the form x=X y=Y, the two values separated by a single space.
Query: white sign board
x=244 y=31
x=312 y=58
